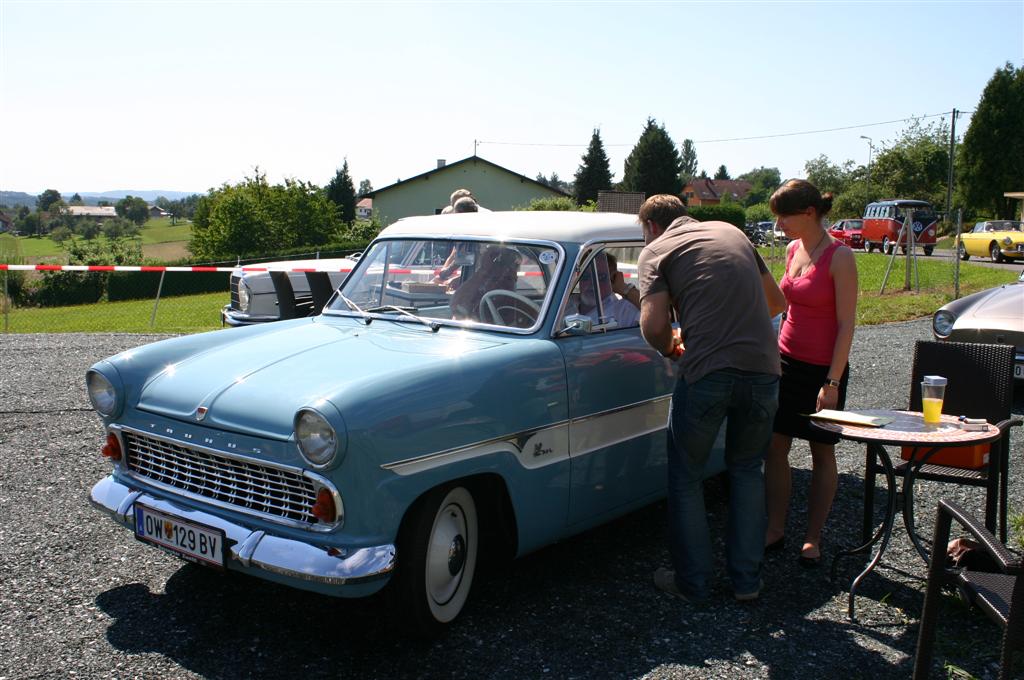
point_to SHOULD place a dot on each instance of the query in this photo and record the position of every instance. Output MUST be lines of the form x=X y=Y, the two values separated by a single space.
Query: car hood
x=1004 y=304
x=256 y=385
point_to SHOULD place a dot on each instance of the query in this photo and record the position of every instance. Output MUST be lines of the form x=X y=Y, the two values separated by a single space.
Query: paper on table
x=851 y=417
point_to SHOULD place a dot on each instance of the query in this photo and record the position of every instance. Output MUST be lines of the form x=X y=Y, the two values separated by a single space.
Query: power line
x=746 y=139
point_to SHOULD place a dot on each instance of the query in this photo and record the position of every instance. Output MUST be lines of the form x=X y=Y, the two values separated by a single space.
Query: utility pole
x=871 y=147
x=952 y=146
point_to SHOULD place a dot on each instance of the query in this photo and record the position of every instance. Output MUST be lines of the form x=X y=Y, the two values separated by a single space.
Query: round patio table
x=906 y=428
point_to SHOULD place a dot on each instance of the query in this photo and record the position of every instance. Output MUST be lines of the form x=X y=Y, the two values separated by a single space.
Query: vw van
x=883 y=221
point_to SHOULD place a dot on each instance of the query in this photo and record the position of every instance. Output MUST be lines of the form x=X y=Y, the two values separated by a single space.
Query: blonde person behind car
x=820 y=285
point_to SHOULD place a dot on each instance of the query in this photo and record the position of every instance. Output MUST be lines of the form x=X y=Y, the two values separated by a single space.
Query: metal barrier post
x=956 y=253
x=7 y=302
x=156 y=303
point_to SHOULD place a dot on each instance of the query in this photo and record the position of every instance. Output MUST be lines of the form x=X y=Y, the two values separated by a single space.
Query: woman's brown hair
x=796 y=196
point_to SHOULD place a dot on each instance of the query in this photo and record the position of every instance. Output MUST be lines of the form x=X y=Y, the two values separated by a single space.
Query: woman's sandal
x=776 y=545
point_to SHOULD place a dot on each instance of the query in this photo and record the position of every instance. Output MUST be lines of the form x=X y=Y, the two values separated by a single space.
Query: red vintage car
x=849 y=232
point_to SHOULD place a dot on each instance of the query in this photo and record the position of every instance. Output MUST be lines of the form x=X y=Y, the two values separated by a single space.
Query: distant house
x=157 y=211
x=99 y=212
x=493 y=186
x=364 y=208
x=707 y=191
x=628 y=202
x=6 y=222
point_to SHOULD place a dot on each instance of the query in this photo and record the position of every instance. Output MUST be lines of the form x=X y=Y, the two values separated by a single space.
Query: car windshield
x=451 y=281
x=1004 y=225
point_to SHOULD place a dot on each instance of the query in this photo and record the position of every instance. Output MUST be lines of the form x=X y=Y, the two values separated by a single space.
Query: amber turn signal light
x=112 y=449
x=324 y=509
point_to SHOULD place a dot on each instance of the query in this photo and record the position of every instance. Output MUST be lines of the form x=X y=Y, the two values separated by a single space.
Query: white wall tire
x=436 y=561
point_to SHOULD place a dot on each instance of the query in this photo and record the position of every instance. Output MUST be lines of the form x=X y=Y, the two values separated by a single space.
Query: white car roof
x=564 y=226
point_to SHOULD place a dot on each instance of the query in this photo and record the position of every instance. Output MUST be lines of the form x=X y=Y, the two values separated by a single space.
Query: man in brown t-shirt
x=710 y=277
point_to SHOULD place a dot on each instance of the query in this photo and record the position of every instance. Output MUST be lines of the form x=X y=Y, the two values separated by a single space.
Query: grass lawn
x=154 y=232
x=936 y=278
x=185 y=314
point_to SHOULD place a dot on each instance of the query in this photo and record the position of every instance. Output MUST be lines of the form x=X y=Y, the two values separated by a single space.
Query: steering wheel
x=489 y=308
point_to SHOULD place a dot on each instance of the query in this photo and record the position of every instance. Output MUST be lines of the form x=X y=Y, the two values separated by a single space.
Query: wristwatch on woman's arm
x=829 y=382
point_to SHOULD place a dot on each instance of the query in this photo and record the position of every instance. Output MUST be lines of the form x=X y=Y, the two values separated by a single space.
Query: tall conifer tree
x=342 y=193
x=594 y=173
x=653 y=165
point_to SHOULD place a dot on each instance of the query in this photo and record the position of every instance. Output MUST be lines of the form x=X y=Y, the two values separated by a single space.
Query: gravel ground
x=80 y=598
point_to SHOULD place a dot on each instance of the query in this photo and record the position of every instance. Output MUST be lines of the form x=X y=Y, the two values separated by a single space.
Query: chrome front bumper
x=254 y=548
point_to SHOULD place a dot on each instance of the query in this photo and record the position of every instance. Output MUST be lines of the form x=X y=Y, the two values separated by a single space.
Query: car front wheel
x=437 y=551
x=964 y=255
x=994 y=253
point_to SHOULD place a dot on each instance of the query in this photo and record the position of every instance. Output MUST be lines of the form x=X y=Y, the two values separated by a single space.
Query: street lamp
x=871 y=147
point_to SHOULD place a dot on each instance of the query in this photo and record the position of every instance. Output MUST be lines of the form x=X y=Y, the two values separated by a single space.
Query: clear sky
x=184 y=96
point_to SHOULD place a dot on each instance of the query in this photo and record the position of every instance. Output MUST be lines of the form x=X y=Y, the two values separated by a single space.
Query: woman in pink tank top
x=820 y=285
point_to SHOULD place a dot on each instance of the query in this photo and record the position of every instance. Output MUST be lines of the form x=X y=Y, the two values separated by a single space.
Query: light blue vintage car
x=466 y=388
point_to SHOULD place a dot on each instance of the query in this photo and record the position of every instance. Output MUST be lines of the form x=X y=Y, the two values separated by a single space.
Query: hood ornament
x=201 y=412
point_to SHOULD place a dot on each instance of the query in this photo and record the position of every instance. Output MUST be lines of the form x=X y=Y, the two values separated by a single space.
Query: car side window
x=594 y=296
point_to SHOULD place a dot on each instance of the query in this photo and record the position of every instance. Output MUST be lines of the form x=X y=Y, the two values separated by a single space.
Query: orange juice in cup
x=933 y=390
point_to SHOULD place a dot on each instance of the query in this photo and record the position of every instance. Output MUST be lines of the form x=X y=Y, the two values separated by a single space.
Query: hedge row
x=732 y=213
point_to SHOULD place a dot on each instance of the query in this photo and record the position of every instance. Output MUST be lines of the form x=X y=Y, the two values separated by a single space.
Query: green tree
x=256 y=218
x=342 y=193
x=47 y=199
x=828 y=176
x=759 y=212
x=687 y=162
x=594 y=173
x=132 y=208
x=722 y=173
x=763 y=182
x=992 y=153
x=555 y=182
x=88 y=229
x=916 y=165
x=364 y=188
x=30 y=224
x=120 y=228
x=60 y=234
x=76 y=200
x=653 y=165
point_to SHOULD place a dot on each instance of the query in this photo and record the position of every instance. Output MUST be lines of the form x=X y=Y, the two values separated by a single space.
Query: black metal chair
x=999 y=595
x=980 y=386
x=321 y=288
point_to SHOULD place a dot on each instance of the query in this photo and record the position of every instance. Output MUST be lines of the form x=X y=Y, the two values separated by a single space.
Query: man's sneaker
x=665 y=581
x=750 y=597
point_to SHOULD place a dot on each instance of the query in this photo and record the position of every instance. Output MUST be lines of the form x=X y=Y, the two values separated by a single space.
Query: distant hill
x=15 y=198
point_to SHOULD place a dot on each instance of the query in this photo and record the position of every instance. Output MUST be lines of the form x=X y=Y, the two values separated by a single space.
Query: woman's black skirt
x=798 y=394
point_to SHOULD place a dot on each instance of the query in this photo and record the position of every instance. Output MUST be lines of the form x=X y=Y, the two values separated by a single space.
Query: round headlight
x=317 y=440
x=243 y=296
x=942 y=323
x=1007 y=241
x=101 y=393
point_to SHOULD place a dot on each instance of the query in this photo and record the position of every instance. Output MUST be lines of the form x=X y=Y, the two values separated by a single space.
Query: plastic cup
x=933 y=390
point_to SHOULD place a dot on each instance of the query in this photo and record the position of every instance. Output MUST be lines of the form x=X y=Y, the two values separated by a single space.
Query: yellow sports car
x=999 y=240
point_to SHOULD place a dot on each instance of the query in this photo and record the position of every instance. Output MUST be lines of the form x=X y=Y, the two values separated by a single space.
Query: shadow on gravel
x=583 y=608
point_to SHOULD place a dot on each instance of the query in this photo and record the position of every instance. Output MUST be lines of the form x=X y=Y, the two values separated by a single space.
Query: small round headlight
x=1007 y=241
x=942 y=323
x=101 y=393
x=243 y=296
x=317 y=440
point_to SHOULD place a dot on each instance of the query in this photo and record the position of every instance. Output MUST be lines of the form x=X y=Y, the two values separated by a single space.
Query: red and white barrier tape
x=128 y=268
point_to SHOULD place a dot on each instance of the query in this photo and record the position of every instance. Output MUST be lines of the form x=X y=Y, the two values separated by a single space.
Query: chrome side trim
x=257 y=549
x=556 y=442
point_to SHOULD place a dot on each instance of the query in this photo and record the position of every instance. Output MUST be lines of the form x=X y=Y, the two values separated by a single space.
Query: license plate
x=1018 y=371
x=194 y=542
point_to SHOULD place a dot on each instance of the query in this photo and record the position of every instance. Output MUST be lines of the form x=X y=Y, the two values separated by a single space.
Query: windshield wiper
x=433 y=325
x=354 y=307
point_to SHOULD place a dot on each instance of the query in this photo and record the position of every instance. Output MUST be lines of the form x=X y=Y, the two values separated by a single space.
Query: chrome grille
x=234 y=290
x=244 y=484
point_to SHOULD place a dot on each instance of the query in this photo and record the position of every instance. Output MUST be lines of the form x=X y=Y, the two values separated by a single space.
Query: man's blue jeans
x=749 y=401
